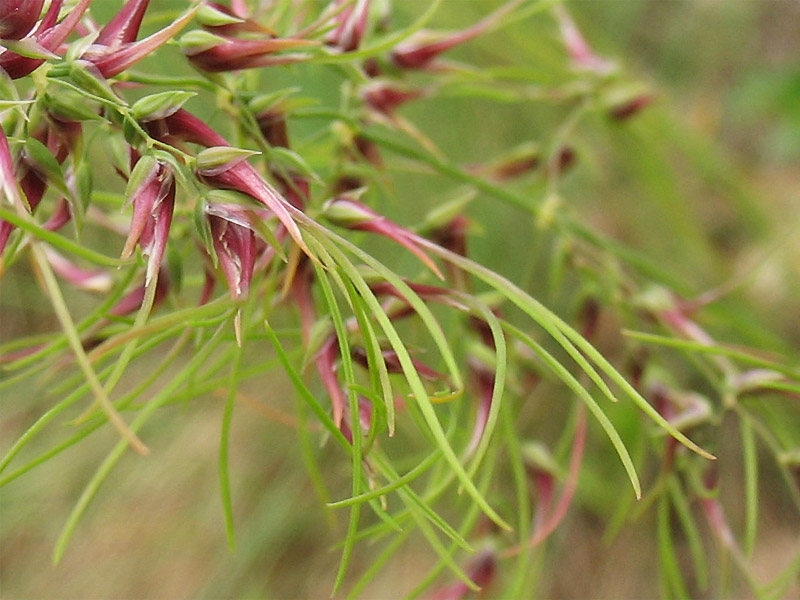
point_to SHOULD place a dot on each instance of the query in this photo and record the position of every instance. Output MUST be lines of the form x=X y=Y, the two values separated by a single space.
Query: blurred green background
x=717 y=159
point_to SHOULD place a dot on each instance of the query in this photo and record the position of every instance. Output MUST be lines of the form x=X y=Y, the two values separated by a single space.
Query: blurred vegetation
x=700 y=188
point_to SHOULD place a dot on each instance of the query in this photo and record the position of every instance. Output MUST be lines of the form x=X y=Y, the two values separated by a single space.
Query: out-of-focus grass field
x=704 y=182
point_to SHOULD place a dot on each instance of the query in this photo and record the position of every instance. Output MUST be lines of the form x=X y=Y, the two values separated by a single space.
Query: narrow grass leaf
x=68 y=326
x=692 y=532
x=116 y=453
x=471 y=516
x=355 y=421
x=671 y=578
x=565 y=376
x=401 y=481
x=303 y=390
x=418 y=389
x=719 y=350
x=750 y=462
x=379 y=373
x=501 y=362
x=428 y=319
x=58 y=241
x=224 y=445
x=560 y=330
x=377 y=563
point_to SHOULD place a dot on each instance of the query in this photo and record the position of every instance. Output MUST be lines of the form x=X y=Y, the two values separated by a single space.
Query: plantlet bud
x=88 y=77
x=198 y=41
x=350 y=25
x=385 y=97
x=216 y=160
x=422 y=48
x=223 y=20
x=214 y=53
x=67 y=105
x=515 y=163
x=583 y=57
x=213 y=15
x=368 y=150
x=272 y=123
x=151 y=189
x=631 y=107
x=29 y=48
x=159 y=106
x=348 y=213
x=235 y=247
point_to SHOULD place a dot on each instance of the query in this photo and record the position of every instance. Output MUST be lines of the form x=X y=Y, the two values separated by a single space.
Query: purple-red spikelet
x=153 y=203
x=17 y=17
x=48 y=36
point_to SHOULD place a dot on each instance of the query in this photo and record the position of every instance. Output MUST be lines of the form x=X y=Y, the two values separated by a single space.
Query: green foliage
x=453 y=273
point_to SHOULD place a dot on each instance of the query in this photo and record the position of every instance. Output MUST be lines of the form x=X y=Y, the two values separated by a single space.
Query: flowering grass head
x=232 y=220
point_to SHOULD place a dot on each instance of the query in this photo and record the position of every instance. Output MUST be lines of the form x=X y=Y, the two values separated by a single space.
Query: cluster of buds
x=113 y=51
x=235 y=249
x=270 y=115
x=152 y=193
x=236 y=231
x=52 y=142
x=384 y=97
x=223 y=167
x=17 y=18
x=116 y=48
